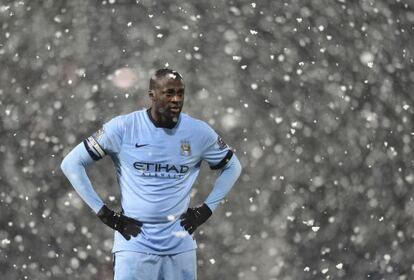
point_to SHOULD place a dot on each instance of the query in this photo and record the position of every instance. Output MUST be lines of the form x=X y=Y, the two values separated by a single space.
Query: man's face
x=168 y=97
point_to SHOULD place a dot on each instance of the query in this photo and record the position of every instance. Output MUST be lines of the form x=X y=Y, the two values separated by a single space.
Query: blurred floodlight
x=124 y=78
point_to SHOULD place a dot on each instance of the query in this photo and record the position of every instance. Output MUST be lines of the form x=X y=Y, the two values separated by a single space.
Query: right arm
x=73 y=166
x=106 y=140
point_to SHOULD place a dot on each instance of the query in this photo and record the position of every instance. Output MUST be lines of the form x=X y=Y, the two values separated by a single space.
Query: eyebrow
x=171 y=89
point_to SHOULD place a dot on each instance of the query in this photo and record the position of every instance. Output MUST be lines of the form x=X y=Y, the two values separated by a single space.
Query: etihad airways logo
x=161 y=170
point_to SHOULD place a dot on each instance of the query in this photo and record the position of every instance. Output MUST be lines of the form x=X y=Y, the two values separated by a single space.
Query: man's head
x=166 y=91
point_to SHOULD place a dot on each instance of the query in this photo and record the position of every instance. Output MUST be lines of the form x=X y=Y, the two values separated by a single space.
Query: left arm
x=224 y=182
x=194 y=217
x=220 y=157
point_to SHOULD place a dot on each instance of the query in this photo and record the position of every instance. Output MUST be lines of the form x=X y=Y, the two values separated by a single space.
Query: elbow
x=64 y=165
x=238 y=167
x=235 y=166
x=72 y=160
x=68 y=163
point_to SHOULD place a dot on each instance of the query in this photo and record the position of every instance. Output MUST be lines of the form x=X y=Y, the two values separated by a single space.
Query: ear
x=151 y=94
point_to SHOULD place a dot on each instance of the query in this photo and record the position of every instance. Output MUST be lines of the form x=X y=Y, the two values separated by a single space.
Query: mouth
x=175 y=110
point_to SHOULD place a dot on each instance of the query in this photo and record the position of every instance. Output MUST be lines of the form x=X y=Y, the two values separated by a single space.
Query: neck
x=159 y=120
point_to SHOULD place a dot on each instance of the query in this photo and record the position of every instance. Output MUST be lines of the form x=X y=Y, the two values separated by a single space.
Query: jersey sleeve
x=216 y=152
x=107 y=140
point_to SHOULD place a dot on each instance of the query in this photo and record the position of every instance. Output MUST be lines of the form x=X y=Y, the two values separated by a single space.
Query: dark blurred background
x=315 y=96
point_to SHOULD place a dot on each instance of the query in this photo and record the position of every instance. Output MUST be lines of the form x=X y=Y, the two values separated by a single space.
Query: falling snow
x=315 y=98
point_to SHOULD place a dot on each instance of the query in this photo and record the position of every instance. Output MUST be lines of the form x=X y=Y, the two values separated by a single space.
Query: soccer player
x=157 y=153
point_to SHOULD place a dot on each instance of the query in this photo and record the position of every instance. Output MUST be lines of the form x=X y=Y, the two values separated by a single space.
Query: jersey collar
x=155 y=123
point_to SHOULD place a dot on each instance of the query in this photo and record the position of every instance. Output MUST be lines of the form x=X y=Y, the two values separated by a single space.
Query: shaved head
x=160 y=74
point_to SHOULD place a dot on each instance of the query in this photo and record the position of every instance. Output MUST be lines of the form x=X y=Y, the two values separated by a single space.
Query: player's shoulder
x=123 y=122
x=196 y=125
x=128 y=118
x=192 y=121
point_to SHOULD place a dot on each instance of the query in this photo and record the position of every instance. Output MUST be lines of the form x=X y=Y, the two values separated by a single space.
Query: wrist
x=104 y=212
x=206 y=209
x=109 y=217
x=204 y=212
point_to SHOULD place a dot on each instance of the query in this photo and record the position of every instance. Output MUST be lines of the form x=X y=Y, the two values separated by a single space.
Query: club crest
x=185 y=148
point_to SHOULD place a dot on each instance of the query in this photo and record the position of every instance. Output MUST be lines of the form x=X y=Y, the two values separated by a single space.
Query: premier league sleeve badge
x=221 y=144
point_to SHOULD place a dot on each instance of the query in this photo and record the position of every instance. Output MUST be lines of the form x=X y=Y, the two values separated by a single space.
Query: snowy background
x=315 y=96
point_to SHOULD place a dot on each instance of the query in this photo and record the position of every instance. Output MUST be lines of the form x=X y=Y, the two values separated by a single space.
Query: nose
x=176 y=98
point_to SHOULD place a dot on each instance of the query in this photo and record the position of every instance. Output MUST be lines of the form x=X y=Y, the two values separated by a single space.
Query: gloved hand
x=119 y=222
x=194 y=217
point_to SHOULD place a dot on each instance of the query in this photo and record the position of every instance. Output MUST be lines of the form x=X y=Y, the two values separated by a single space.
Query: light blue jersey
x=156 y=168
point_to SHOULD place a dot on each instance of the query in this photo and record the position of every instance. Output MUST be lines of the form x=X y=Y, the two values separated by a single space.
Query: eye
x=168 y=93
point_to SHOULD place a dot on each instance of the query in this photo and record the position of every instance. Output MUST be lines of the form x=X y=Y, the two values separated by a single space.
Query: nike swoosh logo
x=139 y=146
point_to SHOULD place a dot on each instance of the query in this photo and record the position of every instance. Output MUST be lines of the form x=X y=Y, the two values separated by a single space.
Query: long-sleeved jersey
x=156 y=168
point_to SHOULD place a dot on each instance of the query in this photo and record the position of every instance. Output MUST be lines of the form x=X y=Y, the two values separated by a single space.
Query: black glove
x=194 y=217
x=117 y=221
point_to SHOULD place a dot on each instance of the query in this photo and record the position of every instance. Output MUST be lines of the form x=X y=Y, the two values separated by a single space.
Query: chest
x=160 y=147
